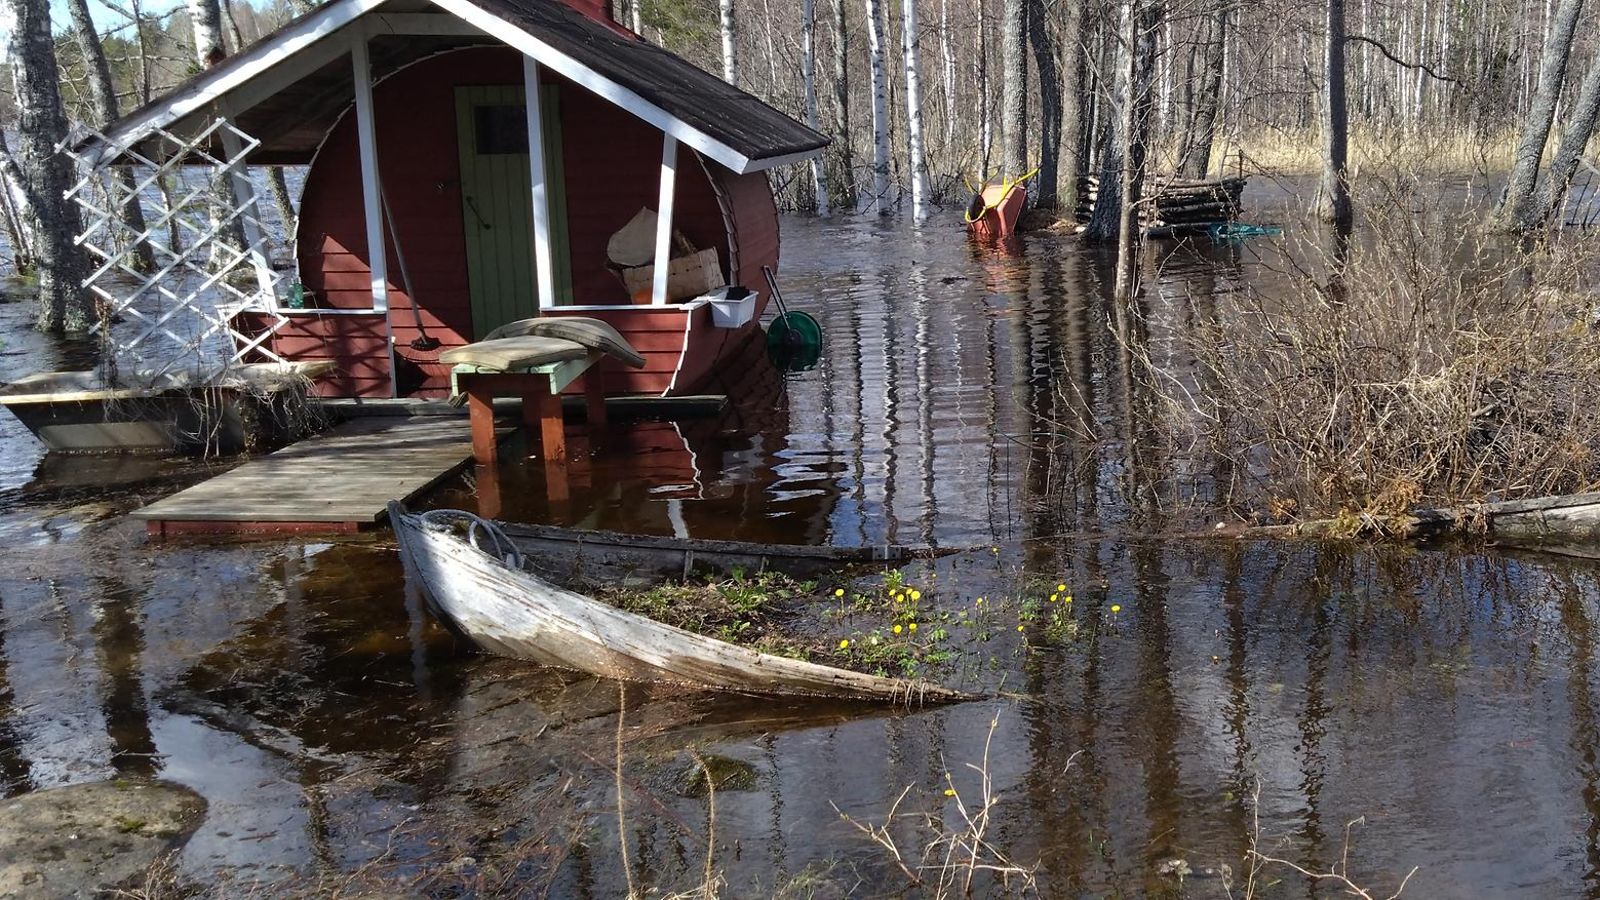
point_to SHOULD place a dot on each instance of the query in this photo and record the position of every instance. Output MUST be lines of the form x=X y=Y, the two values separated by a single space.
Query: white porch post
x=669 y=179
x=372 y=193
x=543 y=270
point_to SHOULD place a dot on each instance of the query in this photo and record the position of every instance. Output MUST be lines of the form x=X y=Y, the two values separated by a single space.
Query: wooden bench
x=535 y=359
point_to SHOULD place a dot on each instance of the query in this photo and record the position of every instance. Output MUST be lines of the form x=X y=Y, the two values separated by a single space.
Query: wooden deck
x=336 y=482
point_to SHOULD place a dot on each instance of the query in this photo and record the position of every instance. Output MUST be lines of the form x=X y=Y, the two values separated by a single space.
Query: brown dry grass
x=1425 y=361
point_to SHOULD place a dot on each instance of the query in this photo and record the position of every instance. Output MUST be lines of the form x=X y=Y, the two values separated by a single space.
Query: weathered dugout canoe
x=508 y=611
x=571 y=555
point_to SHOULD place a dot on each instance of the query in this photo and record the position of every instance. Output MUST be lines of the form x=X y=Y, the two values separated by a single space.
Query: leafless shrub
x=953 y=855
x=1425 y=360
x=1336 y=876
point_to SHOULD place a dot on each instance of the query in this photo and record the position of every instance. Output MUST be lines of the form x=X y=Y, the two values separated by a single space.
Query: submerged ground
x=967 y=398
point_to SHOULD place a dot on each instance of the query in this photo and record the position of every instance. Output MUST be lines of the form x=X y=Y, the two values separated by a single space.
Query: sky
x=105 y=17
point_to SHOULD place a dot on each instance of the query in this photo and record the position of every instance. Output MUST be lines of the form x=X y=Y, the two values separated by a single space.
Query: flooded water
x=1218 y=695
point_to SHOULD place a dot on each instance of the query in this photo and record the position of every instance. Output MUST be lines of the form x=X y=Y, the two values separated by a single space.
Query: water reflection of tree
x=16 y=770
x=119 y=647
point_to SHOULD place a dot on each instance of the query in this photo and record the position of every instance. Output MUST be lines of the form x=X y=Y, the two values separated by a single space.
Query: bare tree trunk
x=947 y=59
x=103 y=100
x=46 y=174
x=1200 y=122
x=1585 y=112
x=1334 y=199
x=1047 y=192
x=1516 y=209
x=808 y=74
x=1072 y=108
x=1137 y=105
x=842 y=136
x=1014 y=88
x=206 y=18
x=880 y=108
x=985 y=111
x=911 y=44
x=1105 y=221
x=730 y=63
x=14 y=202
x=277 y=186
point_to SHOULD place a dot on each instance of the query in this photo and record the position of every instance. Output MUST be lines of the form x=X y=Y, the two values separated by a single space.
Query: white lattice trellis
x=179 y=320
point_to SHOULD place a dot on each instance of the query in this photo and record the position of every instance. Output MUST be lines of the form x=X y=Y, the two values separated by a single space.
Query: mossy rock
x=82 y=840
x=688 y=777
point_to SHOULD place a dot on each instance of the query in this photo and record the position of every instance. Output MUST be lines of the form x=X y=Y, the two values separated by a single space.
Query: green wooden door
x=497 y=206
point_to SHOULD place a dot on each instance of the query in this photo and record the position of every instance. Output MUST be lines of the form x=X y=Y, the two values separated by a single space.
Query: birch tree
x=277 y=186
x=206 y=18
x=1515 y=210
x=1145 y=20
x=1334 y=192
x=808 y=75
x=880 y=107
x=730 y=62
x=918 y=157
x=44 y=173
x=845 y=183
x=1014 y=88
x=103 y=104
x=13 y=205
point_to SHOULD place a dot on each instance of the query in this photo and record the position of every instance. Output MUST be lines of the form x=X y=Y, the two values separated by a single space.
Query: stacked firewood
x=1173 y=205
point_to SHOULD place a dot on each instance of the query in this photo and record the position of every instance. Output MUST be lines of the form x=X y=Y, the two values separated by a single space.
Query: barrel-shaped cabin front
x=439 y=203
x=454 y=165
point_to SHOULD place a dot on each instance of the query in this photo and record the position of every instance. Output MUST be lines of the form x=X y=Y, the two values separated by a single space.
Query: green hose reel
x=794 y=339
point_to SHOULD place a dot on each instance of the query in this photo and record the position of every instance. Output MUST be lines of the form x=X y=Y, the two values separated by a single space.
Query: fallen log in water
x=1564 y=523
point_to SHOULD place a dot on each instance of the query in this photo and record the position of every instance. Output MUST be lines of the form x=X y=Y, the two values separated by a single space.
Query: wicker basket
x=687 y=276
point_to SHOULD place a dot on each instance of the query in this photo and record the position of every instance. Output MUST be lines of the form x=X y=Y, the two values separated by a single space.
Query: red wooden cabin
x=439 y=203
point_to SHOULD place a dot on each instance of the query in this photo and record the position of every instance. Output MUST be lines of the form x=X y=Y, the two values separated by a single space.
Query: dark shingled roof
x=686 y=92
x=292 y=122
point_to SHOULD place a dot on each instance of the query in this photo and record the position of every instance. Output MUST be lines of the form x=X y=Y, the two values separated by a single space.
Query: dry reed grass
x=1425 y=361
x=1437 y=151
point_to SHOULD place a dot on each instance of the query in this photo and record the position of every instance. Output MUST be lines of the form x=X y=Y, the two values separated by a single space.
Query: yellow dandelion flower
x=979 y=602
x=913 y=626
x=1069 y=599
x=949 y=792
x=1019 y=627
x=916 y=595
x=897 y=629
x=1061 y=587
x=838 y=592
x=844 y=644
x=1116 y=607
x=1054 y=597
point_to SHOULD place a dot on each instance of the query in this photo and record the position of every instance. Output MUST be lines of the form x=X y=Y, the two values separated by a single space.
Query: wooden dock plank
x=342 y=478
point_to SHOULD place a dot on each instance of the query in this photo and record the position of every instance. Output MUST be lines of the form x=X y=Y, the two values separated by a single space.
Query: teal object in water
x=297 y=295
x=794 y=341
x=1236 y=231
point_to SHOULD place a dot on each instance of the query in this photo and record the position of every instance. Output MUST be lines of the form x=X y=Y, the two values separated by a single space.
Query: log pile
x=1173 y=205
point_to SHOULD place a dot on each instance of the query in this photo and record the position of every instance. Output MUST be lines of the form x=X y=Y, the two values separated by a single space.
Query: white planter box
x=732 y=313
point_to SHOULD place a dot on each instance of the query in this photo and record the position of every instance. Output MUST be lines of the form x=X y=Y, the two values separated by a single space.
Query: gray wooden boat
x=472 y=574
x=573 y=555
